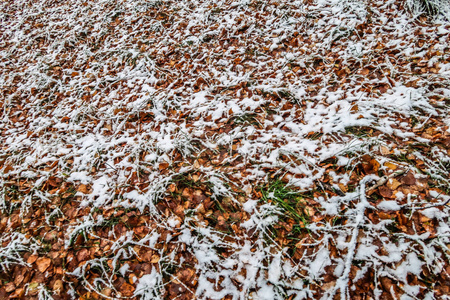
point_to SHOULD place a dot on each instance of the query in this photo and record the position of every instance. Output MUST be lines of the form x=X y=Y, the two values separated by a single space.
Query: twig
x=432 y=205
x=385 y=178
x=342 y=282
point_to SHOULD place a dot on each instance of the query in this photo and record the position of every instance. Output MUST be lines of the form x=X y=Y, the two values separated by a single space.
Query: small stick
x=385 y=178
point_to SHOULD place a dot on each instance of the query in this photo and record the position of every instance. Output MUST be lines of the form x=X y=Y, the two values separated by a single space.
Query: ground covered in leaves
x=224 y=150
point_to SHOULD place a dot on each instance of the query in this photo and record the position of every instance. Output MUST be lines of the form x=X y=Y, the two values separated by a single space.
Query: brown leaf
x=385 y=191
x=9 y=287
x=32 y=259
x=43 y=263
x=155 y=259
x=409 y=179
x=18 y=279
x=126 y=289
x=176 y=289
x=370 y=165
x=53 y=181
x=393 y=183
x=384 y=150
x=384 y=215
x=146 y=256
x=83 y=254
x=187 y=193
x=18 y=293
x=163 y=166
x=58 y=286
x=83 y=189
x=132 y=278
x=198 y=196
x=343 y=187
x=387 y=285
x=186 y=274
x=390 y=165
x=172 y=188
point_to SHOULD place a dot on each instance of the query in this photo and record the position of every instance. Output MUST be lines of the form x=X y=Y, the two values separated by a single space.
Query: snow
x=148 y=286
x=128 y=108
x=388 y=206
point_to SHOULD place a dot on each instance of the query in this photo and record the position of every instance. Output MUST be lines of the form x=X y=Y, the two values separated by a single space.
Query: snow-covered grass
x=430 y=8
x=214 y=149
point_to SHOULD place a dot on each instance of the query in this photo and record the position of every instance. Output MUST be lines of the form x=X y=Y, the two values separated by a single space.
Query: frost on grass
x=215 y=149
x=15 y=244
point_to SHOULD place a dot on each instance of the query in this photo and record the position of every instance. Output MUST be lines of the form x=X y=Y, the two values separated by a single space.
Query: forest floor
x=224 y=150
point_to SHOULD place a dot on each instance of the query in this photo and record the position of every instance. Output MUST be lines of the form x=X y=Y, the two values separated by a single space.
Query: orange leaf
x=163 y=166
x=32 y=259
x=155 y=259
x=127 y=289
x=83 y=189
x=393 y=183
x=390 y=165
x=43 y=263
x=370 y=165
x=58 y=286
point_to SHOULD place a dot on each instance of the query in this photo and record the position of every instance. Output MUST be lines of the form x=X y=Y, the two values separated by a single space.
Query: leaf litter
x=224 y=149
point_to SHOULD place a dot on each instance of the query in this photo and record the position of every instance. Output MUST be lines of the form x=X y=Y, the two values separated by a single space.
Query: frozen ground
x=224 y=150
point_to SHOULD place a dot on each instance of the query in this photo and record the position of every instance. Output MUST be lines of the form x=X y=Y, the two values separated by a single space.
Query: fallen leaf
x=391 y=165
x=83 y=254
x=18 y=293
x=32 y=259
x=365 y=71
x=384 y=150
x=155 y=259
x=18 y=279
x=343 y=187
x=127 y=289
x=9 y=287
x=132 y=278
x=58 y=286
x=83 y=189
x=172 y=188
x=385 y=191
x=393 y=183
x=163 y=166
x=370 y=165
x=43 y=263
x=409 y=179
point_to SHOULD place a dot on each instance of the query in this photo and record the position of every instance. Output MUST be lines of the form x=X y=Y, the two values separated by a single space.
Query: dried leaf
x=43 y=263
x=409 y=179
x=58 y=286
x=370 y=165
x=385 y=191
x=393 y=183
x=384 y=150
x=391 y=165
x=365 y=71
x=83 y=189
x=32 y=259
x=155 y=259
x=83 y=254
x=163 y=166
x=9 y=287
x=18 y=279
x=127 y=290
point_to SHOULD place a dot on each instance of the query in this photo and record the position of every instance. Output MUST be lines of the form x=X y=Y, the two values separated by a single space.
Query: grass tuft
x=289 y=200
